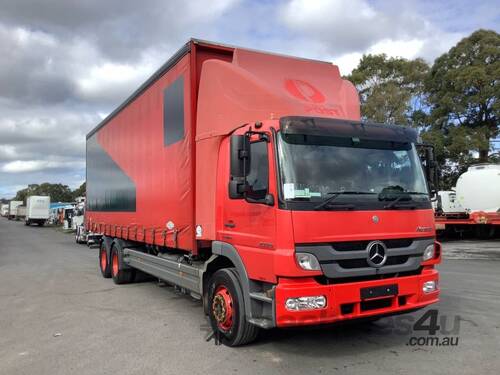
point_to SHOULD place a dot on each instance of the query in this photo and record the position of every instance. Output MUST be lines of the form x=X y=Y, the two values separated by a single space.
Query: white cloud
x=346 y=25
x=402 y=48
x=347 y=62
x=7 y=152
x=20 y=166
x=109 y=80
x=348 y=29
x=394 y=48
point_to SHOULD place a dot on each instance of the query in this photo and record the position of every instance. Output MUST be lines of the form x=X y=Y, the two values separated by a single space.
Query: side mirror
x=430 y=167
x=239 y=165
x=240 y=156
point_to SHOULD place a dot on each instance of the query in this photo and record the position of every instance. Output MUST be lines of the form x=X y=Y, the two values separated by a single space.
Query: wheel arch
x=225 y=255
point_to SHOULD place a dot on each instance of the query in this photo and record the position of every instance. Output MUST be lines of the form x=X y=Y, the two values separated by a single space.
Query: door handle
x=230 y=224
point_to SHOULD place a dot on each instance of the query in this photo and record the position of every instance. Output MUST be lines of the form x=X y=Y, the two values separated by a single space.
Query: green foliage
x=464 y=88
x=57 y=192
x=391 y=89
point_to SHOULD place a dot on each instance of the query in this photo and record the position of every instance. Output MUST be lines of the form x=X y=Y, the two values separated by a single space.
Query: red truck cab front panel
x=330 y=226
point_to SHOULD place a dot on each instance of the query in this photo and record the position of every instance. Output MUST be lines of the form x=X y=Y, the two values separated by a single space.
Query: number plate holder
x=379 y=291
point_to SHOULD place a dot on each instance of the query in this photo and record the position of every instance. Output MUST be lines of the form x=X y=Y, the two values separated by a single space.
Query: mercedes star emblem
x=377 y=254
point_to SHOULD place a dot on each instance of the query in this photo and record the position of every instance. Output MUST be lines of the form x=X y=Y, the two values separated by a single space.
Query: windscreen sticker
x=289 y=190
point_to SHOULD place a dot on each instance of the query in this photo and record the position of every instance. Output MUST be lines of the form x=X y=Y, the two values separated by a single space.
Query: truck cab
x=332 y=217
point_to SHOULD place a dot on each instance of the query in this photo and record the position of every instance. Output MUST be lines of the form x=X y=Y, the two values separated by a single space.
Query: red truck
x=247 y=180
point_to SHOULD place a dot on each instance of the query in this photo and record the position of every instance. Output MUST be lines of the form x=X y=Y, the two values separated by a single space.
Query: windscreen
x=363 y=173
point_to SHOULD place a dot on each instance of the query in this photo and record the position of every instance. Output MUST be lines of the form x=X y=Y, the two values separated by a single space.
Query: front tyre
x=227 y=309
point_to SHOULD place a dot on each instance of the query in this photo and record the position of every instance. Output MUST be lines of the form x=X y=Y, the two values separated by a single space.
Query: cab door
x=249 y=226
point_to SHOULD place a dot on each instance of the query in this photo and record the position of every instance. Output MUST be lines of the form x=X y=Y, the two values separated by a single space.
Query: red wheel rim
x=114 y=264
x=103 y=259
x=222 y=308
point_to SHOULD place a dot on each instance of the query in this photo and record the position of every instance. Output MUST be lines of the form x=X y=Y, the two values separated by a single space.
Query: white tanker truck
x=474 y=201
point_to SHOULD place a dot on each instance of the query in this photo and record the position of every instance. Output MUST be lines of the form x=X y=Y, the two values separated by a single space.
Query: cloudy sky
x=66 y=64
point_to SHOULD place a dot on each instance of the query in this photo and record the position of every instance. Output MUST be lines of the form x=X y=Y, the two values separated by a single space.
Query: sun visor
x=334 y=128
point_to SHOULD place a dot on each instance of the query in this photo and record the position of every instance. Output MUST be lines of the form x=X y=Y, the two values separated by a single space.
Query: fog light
x=429 y=286
x=307 y=261
x=305 y=303
x=429 y=252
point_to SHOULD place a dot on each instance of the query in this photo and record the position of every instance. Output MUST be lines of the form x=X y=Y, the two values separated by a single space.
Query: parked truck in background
x=474 y=204
x=20 y=212
x=13 y=209
x=4 y=210
x=247 y=180
x=447 y=204
x=37 y=210
x=78 y=221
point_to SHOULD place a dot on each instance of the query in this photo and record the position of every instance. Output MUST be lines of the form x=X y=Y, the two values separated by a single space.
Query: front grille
x=396 y=260
x=361 y=245
x=360 y=263
x=349 y=260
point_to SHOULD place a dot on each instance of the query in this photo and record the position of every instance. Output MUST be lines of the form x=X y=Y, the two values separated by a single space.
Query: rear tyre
x=104 y=263
x=226 y=309
x=119 y=274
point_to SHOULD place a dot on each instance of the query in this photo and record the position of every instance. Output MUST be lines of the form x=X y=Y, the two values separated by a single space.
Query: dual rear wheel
x=112 y=265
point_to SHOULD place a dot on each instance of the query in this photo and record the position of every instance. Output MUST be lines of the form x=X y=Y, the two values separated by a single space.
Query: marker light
x=305 y=303
x=429 y=286
x=307 y=261
x=429 y=252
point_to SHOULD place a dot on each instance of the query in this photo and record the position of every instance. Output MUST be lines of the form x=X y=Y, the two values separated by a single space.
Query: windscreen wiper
x=407 y=196
x=334 y=195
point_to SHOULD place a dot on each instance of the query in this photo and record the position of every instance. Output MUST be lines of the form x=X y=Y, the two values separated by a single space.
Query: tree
x=391 y=89
x=56 y=192
x=464 y=87
x=32 y=189
x=80 y=192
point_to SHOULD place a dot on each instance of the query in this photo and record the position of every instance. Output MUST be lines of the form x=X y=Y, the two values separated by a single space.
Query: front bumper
x=344 y=300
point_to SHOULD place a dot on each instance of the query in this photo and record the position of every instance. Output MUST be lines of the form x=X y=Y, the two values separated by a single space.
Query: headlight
x=305 y=303
x=429 y=286
x=307 y=261
x=429 y=252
